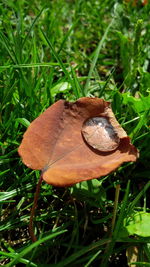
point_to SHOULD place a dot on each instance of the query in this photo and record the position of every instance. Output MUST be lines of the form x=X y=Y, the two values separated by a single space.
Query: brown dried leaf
x=54 y=143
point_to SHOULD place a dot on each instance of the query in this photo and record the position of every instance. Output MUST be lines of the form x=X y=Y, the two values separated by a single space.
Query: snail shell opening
x=100 y=134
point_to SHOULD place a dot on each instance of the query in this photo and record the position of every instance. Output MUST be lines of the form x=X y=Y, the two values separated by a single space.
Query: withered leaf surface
x=55 y=143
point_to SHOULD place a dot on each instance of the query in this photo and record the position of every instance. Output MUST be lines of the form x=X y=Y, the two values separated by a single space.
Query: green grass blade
x=137 y=198
x=67 y=35
x=5 y=42
x=31 y=65
x=57 y=57
x=21 y=260
x=81 y=252
x=31 y=27
x=77 y=87
x=34 y=245
x=141 y=123
x=94 y=61
x=92 y=259
x=110 y=247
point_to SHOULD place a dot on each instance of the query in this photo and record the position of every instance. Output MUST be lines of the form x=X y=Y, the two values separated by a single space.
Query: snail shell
x=100 y=134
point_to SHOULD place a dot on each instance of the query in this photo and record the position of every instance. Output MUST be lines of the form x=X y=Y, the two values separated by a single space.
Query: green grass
x=69 y=49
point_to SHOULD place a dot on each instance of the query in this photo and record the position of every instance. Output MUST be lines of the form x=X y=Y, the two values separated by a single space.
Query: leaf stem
x=36 y=196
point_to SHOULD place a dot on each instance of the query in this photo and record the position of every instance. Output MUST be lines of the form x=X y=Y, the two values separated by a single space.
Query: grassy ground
x=69 y=49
